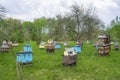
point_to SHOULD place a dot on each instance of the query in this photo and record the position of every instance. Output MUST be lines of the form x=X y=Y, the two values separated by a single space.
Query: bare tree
x=86 y=20
x=77 y=15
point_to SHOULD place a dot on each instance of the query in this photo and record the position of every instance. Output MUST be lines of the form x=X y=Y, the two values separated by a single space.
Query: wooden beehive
x=69 y=60
x=69 y=57
x=50 y=48
x=9 y=44
x=4 y=48
x=104 y=44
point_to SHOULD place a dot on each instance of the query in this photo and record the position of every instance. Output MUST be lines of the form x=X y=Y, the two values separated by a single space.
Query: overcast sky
x=107 y=10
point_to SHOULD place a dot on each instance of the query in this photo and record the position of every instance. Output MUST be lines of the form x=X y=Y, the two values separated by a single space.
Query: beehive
x=104 y=44
x=25 y=57
x=77 y=49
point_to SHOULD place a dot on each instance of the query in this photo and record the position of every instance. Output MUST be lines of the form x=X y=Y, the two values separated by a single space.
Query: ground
x=90 y=66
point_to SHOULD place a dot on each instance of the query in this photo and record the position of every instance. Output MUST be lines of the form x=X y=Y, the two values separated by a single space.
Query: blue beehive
x=96 y=46
x=57 y=46
x=26 y=56
x=77 y=49
x=27 y=48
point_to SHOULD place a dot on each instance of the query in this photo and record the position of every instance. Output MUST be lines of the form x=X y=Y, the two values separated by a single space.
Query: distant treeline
x=80 y=23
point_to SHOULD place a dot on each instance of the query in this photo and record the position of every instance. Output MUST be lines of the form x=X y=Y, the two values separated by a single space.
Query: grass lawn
x=49 y=66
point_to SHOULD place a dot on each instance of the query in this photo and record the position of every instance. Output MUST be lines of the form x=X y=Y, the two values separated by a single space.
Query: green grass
x=49 y=66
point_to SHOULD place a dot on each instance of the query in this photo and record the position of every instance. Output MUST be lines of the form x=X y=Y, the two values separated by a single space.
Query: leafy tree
x=51 y=24
x=12 y=29
x=29 y=30
x=69 y=28
x=2 y=12
x=114 y=30
x=58 y=29
x=40 y=25
x=2 y=15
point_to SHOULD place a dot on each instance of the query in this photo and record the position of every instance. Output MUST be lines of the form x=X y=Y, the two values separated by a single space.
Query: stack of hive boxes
x=104 y=44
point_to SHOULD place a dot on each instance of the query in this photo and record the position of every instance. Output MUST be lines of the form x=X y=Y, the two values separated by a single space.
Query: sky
x=27 y=10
